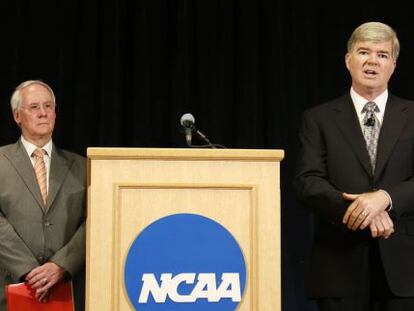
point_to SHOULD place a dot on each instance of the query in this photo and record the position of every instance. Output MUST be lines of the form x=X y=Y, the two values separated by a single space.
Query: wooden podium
x=129 y=188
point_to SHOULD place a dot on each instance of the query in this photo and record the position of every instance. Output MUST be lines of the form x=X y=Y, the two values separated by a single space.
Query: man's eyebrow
x=368 y=49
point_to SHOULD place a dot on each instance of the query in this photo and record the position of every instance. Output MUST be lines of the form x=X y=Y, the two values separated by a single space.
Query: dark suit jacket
x=334 y=159
x=31 y=235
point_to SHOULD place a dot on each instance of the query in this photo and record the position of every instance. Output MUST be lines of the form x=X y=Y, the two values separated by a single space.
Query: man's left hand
x=364 y=208
x=43 y=278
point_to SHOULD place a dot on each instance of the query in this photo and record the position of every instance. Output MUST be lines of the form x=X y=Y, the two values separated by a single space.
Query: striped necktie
x=40 y=170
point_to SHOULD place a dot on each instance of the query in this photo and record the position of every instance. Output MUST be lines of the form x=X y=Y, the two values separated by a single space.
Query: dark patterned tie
x=371 y=130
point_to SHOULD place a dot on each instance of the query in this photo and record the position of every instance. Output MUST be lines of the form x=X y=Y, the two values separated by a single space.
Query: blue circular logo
x=185 y=262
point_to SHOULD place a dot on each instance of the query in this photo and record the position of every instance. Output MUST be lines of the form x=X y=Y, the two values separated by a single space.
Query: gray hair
x=16 y=98
x=375 y=32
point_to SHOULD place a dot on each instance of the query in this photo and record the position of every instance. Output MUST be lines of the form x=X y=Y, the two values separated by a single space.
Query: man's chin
x=44 y=128
x=372 y=85
x=43 y=134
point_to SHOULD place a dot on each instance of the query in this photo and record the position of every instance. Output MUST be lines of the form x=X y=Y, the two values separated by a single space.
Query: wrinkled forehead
x=35 y=93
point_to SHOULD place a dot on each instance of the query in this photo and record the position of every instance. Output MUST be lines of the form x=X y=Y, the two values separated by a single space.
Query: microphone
x=370 y=121
x=188 y=123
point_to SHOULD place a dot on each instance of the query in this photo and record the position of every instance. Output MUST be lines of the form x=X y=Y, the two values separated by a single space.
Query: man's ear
x=347 y=57
x=16 y=116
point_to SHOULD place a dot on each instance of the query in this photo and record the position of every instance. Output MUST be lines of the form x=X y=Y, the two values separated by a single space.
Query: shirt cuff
x=389 y=207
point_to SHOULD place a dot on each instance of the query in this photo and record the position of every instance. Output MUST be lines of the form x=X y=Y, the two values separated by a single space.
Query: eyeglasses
x=35 y=108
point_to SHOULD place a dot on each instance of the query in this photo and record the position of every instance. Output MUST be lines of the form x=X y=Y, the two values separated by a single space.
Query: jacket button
x=41 y=259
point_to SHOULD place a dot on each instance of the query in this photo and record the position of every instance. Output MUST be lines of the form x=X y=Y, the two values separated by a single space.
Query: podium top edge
x=103 y=153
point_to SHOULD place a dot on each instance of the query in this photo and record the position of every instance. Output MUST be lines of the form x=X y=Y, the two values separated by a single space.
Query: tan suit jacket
x=31 y=234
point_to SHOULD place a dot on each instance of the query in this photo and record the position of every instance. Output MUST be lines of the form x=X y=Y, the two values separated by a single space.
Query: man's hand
x=43 y=278
x=382 y=226
x=364 y=208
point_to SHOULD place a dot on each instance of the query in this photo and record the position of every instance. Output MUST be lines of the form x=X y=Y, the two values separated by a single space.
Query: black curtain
x=125 y=71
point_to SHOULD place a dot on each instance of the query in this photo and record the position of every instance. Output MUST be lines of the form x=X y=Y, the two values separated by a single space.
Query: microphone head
x=187 y=120
x=370 y=121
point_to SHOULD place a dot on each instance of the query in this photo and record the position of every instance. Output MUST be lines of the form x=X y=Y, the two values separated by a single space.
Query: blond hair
x=375 y=32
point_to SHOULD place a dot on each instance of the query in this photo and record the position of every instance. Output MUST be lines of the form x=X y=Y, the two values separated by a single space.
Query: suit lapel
x=395 y=118
x=347 y=120
x=20 y=160
x=59 y=167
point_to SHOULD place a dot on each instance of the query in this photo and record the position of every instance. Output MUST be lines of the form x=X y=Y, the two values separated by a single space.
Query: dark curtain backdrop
x=125 y=71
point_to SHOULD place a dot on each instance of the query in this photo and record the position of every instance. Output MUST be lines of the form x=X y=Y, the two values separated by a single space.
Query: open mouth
x=370 y=72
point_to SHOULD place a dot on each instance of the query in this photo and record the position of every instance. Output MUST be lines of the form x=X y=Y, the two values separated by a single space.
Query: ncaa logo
x=185 y=262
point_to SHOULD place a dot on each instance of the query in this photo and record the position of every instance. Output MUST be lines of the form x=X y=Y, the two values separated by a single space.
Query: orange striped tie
x=40 y=170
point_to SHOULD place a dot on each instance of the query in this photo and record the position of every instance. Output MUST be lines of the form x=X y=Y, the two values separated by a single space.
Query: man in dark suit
x=42 y=201
x=355 y=173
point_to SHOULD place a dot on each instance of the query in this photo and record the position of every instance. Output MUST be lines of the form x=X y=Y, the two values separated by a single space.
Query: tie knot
x=370 y=107
x=39 y=153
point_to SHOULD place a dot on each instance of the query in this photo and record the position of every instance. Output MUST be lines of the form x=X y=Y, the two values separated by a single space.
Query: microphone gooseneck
x=187 y=121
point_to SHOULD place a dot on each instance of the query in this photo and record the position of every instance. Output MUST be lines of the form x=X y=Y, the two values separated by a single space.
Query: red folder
x=20 y=297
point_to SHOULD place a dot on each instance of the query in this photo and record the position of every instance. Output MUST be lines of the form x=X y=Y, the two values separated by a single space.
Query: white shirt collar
x=30 y=147
x=360 y=101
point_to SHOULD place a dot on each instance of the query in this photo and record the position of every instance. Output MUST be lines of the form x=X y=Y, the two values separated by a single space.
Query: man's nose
x=42 y=110
x=373 y=58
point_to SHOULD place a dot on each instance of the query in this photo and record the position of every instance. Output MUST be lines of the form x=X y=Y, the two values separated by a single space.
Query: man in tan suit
x=42 y=211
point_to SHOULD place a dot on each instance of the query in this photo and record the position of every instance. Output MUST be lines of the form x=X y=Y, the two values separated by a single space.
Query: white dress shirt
x=48 y=148
x=359 y=103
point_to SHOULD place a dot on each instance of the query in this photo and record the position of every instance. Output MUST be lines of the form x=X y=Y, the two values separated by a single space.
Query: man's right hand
x=381 y=226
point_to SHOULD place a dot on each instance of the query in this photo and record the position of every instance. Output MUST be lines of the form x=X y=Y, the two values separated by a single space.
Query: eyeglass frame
x=35 y=108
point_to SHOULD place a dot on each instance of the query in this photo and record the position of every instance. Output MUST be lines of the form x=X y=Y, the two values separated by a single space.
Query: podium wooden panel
x=128 y=188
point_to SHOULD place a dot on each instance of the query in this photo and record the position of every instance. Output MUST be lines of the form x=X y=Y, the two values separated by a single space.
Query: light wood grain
x=129 y=188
